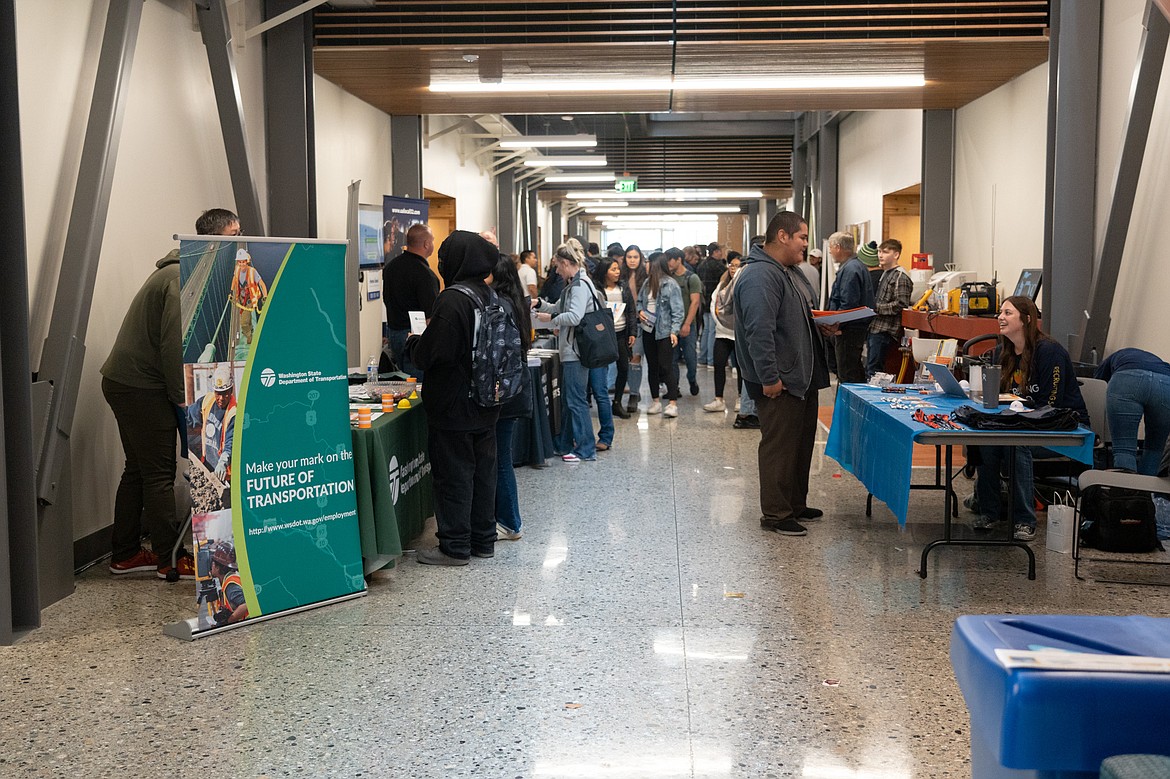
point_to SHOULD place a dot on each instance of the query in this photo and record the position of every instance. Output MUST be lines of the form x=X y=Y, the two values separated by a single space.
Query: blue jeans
x=707 y=342
x=1130 y=396
x=877 y=346
x=576 y=434
x=987 y=484
x=598 y=381
x=507 y=496
x=398 y=352
x=686 y=346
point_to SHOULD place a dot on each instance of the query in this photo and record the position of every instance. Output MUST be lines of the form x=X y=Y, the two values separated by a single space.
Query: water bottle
x=372 y=371
x=964 y=304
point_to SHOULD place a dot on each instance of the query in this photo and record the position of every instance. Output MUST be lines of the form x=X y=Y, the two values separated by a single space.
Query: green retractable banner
x=267 y=416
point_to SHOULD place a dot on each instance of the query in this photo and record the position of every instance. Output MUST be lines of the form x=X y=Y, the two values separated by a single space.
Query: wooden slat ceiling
x=671 y=163
x=389 y=54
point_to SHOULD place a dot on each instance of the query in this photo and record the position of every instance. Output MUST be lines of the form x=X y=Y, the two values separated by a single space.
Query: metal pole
x=1094 y=330
x=936 y=234
x=217 y=39
x=19 y=599
x=63 y=354
x=1074 y=169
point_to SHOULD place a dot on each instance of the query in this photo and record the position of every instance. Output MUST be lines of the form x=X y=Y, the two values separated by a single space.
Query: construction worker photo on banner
x=225 y=285
x=210 y=415
x=219 y=590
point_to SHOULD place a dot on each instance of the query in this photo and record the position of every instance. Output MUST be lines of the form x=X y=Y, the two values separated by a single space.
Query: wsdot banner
x=267 y=416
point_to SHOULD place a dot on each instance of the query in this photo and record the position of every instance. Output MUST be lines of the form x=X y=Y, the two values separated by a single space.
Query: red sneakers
x=142 y=562
x=186 y=566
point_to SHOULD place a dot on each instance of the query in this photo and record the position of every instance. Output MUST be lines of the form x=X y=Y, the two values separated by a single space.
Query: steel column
x=1068 y=270
x=217 y=39
x=506 y=211
x=937 y=233
x=531 y=223
x=64 y=349
x=406 y=156
x=799 y=179
x=555 y=212
x=826 y=176
x=1094 y=328
x=754 y=220
x=289 y=128
x=19 y=600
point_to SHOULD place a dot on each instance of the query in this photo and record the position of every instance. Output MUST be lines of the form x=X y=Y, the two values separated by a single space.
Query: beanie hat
x=868 y=254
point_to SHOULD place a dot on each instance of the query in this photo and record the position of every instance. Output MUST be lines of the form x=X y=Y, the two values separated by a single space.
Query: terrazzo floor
x=644 y=627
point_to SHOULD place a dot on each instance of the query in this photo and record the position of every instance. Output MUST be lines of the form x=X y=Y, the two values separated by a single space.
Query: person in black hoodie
x=461 y=434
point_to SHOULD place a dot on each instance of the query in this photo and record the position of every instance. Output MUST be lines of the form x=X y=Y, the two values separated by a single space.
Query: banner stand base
x=188 y=629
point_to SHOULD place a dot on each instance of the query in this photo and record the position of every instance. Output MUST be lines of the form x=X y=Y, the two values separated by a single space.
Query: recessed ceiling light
x=549 y=141
x=677 y=195
x=566 y=118
x=667 y=209
x=602 y=177
x=580 y=161
x=809 y=82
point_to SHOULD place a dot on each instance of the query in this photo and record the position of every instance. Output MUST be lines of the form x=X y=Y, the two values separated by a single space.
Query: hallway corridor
x=645 y=626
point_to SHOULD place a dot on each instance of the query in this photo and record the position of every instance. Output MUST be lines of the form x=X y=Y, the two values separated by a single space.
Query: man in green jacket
x=142 y=380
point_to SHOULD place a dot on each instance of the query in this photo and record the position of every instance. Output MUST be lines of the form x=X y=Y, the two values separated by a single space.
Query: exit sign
x=626 y=184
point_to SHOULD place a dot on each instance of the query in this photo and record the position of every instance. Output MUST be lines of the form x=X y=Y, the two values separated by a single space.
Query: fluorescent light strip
x=549 y=142
x=582 y=178
x=608 y=218
x=678 y=195
x=811 y=82
x=604 y=204
x=580 y=161
x=668 y=210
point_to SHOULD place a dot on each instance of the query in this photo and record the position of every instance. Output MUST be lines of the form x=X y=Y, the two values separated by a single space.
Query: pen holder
x=991 y=377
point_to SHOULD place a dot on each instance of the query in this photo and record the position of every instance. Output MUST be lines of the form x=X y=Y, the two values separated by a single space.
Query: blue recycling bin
x=1059 y=724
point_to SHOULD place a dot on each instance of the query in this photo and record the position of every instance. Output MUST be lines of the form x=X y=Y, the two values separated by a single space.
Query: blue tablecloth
x=875 y=442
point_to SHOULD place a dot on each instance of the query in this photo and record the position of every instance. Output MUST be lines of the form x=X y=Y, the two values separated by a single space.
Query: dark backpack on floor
x=497 y=354
x=1115 y=519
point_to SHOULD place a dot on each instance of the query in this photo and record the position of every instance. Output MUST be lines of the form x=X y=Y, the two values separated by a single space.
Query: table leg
x=947 y=540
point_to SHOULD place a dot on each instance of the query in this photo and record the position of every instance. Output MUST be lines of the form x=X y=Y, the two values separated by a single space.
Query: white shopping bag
x=1061 y=516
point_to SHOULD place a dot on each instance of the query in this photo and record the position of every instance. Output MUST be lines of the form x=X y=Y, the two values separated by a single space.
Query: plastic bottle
x=964 y=305
x=372 y=371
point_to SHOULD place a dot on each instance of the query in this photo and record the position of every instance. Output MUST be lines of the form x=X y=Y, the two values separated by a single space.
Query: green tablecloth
x=392 y=480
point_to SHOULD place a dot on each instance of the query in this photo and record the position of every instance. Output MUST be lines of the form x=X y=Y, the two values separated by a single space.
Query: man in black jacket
x=409 y=285
x=461 y=434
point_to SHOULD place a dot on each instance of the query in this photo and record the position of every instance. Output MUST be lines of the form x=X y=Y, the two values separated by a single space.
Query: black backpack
x=497 y=353
x=1115 y=519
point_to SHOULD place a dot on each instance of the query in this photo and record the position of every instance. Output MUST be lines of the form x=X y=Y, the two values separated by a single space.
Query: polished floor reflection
x=643 y=627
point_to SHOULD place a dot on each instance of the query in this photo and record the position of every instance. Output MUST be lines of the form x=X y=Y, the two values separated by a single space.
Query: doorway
x=902 y=219
x=441 y=219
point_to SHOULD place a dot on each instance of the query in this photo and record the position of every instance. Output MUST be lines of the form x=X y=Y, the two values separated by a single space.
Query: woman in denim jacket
x=660 y=314
x=576 y=441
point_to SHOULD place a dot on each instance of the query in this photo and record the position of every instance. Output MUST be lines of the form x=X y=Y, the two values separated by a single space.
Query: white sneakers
x=504 y=534
x=655 y=408
x=715 y=405
x=671 y=410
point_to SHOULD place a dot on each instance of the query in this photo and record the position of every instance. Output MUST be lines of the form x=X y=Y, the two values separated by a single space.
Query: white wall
x=879 y=152
x=473 y=190
x=1000 y=151
x=353 y=144
x=171 y=166
x=1143 y=285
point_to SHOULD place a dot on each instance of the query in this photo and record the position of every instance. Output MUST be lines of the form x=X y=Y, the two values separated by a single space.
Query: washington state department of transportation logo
x=267 y=377
x=394 y=478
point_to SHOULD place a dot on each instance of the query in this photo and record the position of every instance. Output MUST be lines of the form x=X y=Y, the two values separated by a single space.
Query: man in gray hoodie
x=782 y=361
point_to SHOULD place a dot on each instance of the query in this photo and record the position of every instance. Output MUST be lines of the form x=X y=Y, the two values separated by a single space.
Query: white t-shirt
x=614 y=295
x=527 y=276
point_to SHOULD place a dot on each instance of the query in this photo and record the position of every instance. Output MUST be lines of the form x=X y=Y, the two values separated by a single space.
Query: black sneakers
x=785 y=527
x=746 y=422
